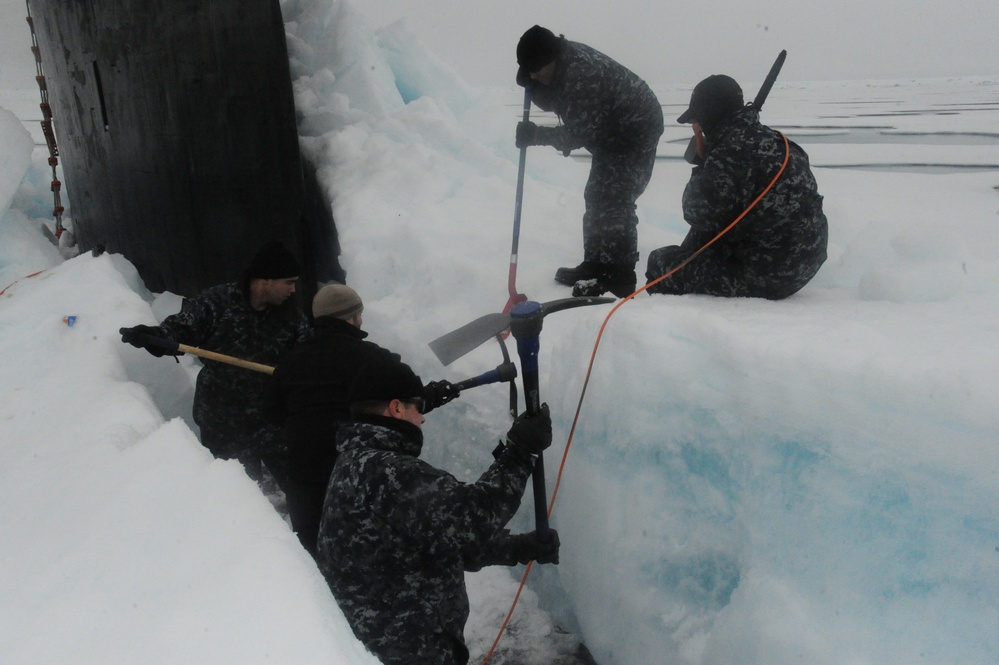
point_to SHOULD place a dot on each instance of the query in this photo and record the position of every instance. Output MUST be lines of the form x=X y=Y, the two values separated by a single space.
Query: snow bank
x=813 y=480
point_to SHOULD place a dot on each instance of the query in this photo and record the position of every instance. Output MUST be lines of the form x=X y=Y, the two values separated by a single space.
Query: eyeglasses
x=418 y=402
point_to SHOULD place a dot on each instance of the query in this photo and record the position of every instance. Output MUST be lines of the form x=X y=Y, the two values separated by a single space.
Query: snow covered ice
x=807 y=481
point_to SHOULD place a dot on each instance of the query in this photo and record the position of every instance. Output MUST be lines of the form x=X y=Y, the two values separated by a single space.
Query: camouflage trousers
x=227 y=444
x=717 y=272
x=709 y=273
x=610 y=223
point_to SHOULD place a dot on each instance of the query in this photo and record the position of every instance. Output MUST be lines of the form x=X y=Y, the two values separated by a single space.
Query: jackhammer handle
x=516 y=297
x=525 y=324
x=540 y=500
x=526 y=333
x=518 y=207
x=505 y=372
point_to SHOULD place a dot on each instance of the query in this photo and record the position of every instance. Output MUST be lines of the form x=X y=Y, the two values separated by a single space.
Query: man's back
x=311 y=386
x=395 y=535
x=780 y=245
x=604 y=105
x=384 y=549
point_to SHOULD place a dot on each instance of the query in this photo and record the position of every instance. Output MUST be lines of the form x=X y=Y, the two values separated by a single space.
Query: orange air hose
x=589 y=371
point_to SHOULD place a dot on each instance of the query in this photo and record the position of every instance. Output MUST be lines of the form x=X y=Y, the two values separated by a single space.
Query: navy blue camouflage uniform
x=777 y=248
x=607 y=109
x=398 y=535
x=229 y=403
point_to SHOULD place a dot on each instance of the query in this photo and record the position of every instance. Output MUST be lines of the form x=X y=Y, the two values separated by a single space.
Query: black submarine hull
x=177 y=136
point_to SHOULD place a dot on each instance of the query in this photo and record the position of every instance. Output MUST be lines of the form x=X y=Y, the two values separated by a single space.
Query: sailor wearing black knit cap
x=398 y=534
x=255 y=319
x=608 y=110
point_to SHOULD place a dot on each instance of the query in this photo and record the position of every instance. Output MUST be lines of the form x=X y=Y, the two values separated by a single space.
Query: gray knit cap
x=337 y=300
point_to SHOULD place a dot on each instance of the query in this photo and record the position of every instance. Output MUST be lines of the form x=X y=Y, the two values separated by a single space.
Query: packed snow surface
x=807 y=481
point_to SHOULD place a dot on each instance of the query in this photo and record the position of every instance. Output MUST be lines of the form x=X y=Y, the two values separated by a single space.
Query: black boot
x=585 y=270
x=619 y=281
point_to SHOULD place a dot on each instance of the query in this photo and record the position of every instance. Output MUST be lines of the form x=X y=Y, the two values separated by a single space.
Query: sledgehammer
x=504 y=372
x=174 y=348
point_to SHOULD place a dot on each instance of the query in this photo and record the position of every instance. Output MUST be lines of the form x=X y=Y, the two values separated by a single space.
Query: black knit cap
x=273 y=261
x=713 y=99
x=384 y=379
x=537 y=47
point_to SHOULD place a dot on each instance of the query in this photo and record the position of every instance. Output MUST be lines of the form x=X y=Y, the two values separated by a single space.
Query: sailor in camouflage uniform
x=774 y=250
x=611 y=112
x=398 y=534
x=254 y=320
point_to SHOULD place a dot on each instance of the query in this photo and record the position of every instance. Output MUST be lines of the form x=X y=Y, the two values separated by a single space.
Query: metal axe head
x=470 y=336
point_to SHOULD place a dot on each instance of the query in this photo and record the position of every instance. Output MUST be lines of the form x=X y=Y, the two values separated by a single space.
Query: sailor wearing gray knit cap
x=311 y=398
x=337 y=300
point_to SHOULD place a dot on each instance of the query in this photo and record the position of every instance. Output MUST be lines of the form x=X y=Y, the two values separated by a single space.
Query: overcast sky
x=678 y=42
x=674 y=42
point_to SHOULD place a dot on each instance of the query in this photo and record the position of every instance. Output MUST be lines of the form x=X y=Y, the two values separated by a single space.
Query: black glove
x=138 y=336
x=438 y=393
x=531 y=434
x=527 y=134
x=526 y=547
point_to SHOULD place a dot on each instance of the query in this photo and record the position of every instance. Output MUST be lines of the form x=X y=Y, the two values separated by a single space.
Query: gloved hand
x=526 y=547
x=527 y=134
x=438 y=393
x=138 y=336
x=531 y=434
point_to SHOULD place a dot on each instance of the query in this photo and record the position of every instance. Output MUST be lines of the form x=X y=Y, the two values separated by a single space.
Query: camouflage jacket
x=229 y=398
x=397 y=535
x=782 y=242
x=603 y=106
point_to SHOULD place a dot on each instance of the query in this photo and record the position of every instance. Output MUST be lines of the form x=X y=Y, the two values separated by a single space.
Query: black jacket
x=310 y=393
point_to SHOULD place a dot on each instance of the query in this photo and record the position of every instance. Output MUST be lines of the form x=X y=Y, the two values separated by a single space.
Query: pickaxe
x=524 y=320
x=506 y=371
